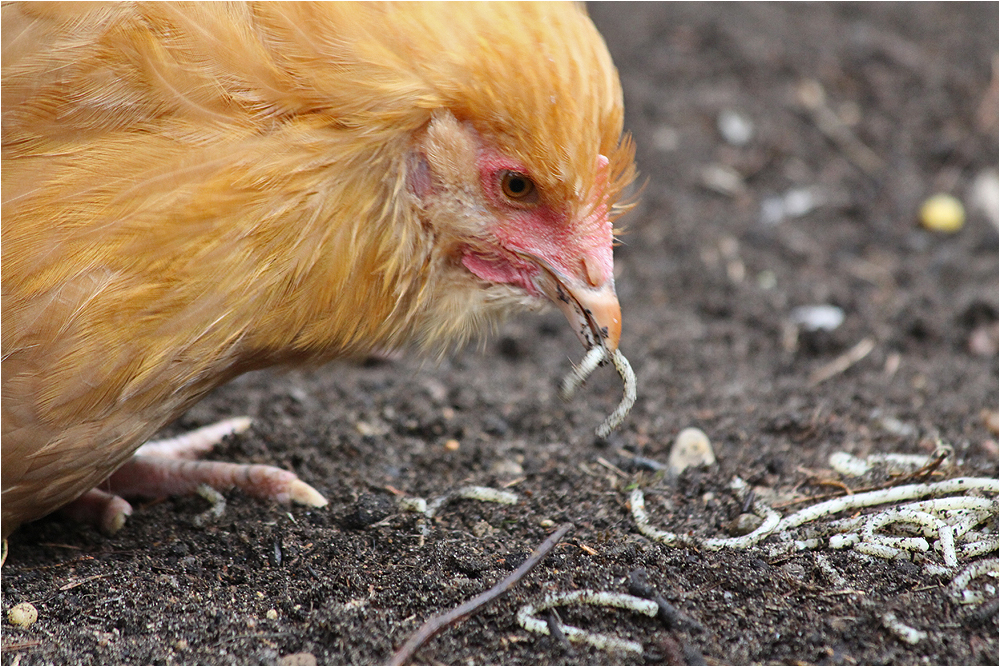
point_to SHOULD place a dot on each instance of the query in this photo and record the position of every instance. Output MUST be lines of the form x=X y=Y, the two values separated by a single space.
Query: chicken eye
x=518 y=187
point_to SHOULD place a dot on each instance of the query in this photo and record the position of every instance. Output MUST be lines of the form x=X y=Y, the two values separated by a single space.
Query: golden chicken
x=194 y=191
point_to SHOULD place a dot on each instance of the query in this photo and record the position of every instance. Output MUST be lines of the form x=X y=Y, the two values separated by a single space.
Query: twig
x=19 y=645
x=555 y=631
x=836 y=483
x=812 y=97
x=612 y=467
x=942 y=452
x=439 y=623
x=671 y=617
x=81 y=582
x=843 y=362
x=62 y=564
x=847 y=491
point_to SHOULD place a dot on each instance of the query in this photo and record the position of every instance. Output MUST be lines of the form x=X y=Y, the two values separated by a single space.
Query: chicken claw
x=169 y=467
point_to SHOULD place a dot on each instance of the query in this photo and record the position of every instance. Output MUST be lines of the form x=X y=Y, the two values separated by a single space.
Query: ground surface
x=708 y=278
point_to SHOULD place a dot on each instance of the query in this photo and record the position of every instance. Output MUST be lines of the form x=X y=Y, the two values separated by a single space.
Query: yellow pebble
x=22 y=615
x=272 y=614
x=942 y=213
x=452 y=445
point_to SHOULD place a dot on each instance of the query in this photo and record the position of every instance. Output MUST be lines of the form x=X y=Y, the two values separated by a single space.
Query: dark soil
x=707 y=285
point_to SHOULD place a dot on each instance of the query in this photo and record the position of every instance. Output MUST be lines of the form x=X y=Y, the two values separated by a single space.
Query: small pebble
x=481 y=528
x=767 y=280
x=942 y=213
x=666 y=139
x=722 y=179
x=507 y=468
x=368 y=430
x=735 y=128
x=272 y=614
x=452 y=445
x=181 y=644
x=897 y=427
x=369 y=509
x=983 y=340
x=984 y=195
x=691 y=448
x=800 y=201
x=306 y=659
x=794 y=570
x=22 y=615
x=795 y=203
x=744 y=524
x=823 y=317
x=810 y=94
x=991 y=419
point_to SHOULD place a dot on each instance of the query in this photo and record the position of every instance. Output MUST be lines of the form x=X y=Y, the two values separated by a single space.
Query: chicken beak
x=593 y=312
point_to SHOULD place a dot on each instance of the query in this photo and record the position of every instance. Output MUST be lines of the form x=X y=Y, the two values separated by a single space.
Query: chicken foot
x=169 y=467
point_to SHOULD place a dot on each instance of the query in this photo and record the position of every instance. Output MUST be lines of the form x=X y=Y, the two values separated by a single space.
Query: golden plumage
x=193 y=191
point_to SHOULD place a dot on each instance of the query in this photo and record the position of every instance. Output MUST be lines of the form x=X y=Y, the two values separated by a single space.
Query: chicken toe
x=105 y=511
x=157 y=476
x=193 y=444
x=169 y=467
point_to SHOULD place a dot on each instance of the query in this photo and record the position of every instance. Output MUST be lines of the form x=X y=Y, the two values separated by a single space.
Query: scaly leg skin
x=106 y=511
x=169 y=467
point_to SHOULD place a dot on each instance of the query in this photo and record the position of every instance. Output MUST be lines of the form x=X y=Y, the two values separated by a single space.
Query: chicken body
x=194 y=191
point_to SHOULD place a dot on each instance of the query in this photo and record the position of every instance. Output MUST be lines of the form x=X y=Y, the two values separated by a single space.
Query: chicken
x=194 y=191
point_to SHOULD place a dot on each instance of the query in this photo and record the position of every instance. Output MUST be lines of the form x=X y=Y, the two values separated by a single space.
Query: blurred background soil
x=787 y=150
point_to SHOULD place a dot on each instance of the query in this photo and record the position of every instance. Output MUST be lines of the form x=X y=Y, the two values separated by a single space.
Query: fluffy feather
x=194 y=191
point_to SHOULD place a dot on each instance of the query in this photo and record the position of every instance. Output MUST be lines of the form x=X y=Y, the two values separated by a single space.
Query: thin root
x=435 y=625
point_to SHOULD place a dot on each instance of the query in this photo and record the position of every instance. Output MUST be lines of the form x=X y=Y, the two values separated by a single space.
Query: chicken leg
x=170 y=467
